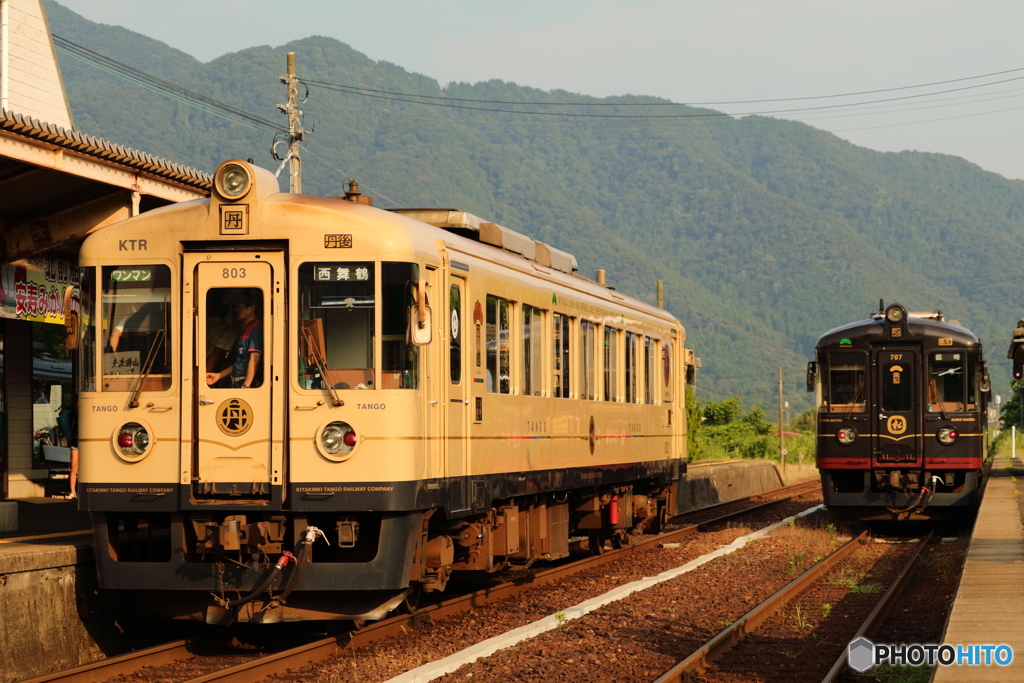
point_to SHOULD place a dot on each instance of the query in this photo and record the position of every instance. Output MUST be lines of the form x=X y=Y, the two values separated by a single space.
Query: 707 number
x=232 y=273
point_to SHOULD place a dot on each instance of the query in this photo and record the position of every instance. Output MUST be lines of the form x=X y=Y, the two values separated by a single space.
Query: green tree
x=1010 y=415
x=722 y=412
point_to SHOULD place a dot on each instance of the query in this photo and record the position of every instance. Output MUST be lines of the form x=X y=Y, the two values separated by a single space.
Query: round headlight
x=846 y=435
x=947 y=435
x=132 y=439
x=233 y=181
x=338 y=439
x=895 y=314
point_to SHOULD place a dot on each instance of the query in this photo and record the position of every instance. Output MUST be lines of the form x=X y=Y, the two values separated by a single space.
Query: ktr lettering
x=132 y=245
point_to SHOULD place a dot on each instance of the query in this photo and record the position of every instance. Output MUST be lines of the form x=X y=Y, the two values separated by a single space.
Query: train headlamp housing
x=895 y=314
x=947 y=435
x=132 y=441
x=846 y=435
x=337 y=440
x=233 y=181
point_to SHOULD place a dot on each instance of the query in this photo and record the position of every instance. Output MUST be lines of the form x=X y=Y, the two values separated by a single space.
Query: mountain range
x=765 y=232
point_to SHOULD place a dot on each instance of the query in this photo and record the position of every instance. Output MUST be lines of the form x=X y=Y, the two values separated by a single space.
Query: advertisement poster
x=33 y=289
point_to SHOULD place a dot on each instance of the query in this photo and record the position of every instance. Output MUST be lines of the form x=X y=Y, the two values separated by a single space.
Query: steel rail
x=701 y=659
x=881 y=610
x=105 y=669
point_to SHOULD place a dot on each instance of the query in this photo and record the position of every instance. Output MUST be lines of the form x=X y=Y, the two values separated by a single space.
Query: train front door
x=237 y=337
x=895 y=425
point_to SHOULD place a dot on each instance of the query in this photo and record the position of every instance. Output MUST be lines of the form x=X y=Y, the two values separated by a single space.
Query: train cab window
x=611 y=364
x=499 y=322
x=650 y=370
x=897 y=386
x=632 y=342
x=136 y=327
x=234 y=336
x=560 y=356
x=588 y=389
x=947 y=371
x=87 y=326
x=533 y=340
x=846 y=382
x=336 y=323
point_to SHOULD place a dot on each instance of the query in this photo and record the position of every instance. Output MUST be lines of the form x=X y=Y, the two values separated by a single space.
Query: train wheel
x=619 y=539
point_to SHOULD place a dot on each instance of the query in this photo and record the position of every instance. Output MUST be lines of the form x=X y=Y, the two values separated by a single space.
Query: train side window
x=136 y=326
x=533 y=340
x=338 y=298
x=650 y=370
x=946 y=385
x=632 y=342
x=499 y=322
x=400 y=358
x=455 y=345
x=611 y=364
x=846 y=390
x=666 y=367
x=588 y=390
x=560 y=356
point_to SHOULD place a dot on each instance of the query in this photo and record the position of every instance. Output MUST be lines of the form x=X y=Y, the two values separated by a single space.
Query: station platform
x=46 y=517
x=48 y=598
x=989 y=604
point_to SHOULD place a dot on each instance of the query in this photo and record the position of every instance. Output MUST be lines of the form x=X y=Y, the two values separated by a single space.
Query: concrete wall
x=719 y=482
x=47 y=598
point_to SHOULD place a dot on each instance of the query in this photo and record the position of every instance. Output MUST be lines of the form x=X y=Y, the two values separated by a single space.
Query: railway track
x=700 y=661
x=260 y=666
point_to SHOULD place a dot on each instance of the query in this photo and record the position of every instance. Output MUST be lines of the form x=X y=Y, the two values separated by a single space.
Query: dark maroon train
x=901 y=429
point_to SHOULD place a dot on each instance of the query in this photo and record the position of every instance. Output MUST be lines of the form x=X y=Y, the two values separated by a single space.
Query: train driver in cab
x=247 y=370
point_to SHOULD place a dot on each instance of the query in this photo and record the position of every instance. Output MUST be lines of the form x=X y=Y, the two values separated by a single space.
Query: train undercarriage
x=268 y=567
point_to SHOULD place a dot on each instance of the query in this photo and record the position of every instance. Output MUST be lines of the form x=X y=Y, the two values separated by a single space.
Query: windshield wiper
x=311 y=353
x=147 y=368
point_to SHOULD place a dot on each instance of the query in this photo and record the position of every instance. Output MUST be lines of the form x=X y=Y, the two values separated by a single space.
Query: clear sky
x=690 y=51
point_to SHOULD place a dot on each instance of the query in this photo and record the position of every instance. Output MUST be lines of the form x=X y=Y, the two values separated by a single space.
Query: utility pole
x=782 y=440
x=295 y=132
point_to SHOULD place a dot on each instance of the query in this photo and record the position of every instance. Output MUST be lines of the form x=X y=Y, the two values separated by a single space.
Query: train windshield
x=136 y=327
x=948 y=385
x=339 y=342
x=846 y=382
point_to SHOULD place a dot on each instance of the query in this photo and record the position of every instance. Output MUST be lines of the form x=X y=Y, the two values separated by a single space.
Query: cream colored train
x=296 y=407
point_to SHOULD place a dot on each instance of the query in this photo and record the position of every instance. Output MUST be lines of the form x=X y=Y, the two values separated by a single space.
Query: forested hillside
x=767 y=233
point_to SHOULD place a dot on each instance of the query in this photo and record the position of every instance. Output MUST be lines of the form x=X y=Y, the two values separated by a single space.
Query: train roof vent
x=466 y=224
x=556 y=258
x=510 y=240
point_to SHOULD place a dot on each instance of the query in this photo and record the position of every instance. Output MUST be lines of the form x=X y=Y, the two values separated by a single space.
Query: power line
x=161 y=86
x=667 y=104
x=404 y=97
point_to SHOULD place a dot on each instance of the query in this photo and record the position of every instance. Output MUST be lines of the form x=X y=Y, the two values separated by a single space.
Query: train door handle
x=204 y=402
